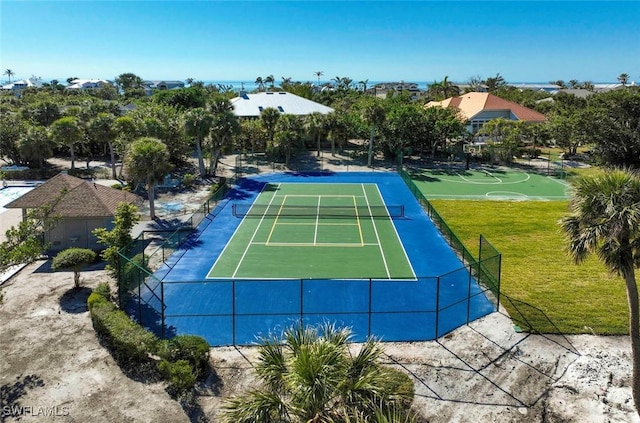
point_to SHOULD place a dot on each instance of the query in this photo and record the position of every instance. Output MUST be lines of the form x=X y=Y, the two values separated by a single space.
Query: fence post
x=233 y=312
x=469 y=277
x=370 y=307
x=301 y=302
x=437 y=305
x=162 y=310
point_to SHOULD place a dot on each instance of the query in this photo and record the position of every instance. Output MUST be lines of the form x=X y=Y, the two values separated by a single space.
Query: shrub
x=193 y=349
x=179 y=375
x=400 y=385
x=130 y=341
x=74 y=259
x=117 y=186
x=189 y=180
x=104 y=290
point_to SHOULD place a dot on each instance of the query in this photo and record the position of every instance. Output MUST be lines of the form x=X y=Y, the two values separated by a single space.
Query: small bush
x=104 y=289
x=400 y=384
x=117 y=186
x=193 y=349
x=189 y=180
x=179 y=375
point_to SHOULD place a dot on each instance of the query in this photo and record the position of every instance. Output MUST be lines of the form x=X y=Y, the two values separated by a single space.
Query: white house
x=252 y=105
x=85 y=84
x=151 y=86
x=22 y=84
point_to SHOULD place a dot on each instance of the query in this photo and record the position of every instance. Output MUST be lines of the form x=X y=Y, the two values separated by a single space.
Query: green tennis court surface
x=489 y=183
x=318 y=231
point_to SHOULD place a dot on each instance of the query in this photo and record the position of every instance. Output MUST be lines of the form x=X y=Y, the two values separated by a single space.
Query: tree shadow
x=74 y=300
x=10 y=395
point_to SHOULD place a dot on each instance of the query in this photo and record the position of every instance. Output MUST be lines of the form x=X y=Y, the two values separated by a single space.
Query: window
x=281 y=109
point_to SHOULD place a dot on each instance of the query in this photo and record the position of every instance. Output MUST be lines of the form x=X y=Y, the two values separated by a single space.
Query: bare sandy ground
x=51 y=362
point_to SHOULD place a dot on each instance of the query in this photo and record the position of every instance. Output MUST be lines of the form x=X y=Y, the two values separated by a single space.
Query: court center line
x=255 y=232
x=355 y=206
x=375 y=229
x=315 y=233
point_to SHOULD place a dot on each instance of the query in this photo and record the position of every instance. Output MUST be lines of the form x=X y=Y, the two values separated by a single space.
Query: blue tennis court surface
x=442 y=297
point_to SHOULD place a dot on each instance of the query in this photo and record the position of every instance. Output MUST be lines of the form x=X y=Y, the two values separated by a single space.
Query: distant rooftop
x=252 y=105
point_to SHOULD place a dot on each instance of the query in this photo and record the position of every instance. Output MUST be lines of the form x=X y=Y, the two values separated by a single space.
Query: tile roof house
x=478 y=108
x=81 y=206
x=251 y=105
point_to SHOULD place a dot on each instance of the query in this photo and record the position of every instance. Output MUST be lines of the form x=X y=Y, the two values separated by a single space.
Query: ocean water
x=252 y=86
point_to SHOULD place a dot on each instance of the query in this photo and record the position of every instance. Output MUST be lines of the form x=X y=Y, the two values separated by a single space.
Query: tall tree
x=374 y=115
x=605 y=221
x=269 y=79
x=623 y=78
x=288 y=135
x=224 y=127
x=35 y=147
x=9 y=74
x=318 y=74
x=126 y=130
x=315 y=124
x=148 y=160
x=197 y=124
x=494 y=83
x=68 y=132
x=260 y=83
x=100 y=129
x=312 y=376
x=269 y=117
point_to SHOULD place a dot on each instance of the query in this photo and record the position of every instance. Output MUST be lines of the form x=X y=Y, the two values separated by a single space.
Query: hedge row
x=184 y=359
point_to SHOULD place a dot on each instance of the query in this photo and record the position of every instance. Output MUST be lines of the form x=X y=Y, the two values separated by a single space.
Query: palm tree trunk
x=634 y=334
x=201 y=168
x=113 y=160
x=151 y=189
x=370 y=146
x=73 y=157
x=318 y=143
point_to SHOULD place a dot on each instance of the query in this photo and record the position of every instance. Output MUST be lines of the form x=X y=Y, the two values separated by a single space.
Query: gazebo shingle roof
x=75 y=197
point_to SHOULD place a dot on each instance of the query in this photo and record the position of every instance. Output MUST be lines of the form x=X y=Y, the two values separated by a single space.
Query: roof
x=247 y=105
x=472 y=104
x=75 y=197
x=23 y=83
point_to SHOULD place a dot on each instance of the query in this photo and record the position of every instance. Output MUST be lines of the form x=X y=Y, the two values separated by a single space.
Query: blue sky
x=378 y=41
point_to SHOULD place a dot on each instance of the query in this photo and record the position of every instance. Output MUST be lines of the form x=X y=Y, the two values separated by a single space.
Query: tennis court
x=489 y=183
x=305 y=230
x=355 y=249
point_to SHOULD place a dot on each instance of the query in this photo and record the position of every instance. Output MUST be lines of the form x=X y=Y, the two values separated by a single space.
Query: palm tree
x=9 y=74
x=67 y=131
x=148 y=159
x=573 y=83
x=318 y=74
x=605 y=221
x=374 y=114
x=315 y=124
x=260 y=83
x=197 y=124
x=623 y=79
x=101 y=129
x=269 y=79
x=311 y=375
x=223 y=127
x=364 y=83
x=269 y=117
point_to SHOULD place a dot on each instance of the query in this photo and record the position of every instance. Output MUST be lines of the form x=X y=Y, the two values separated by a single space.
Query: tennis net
x=260 y=210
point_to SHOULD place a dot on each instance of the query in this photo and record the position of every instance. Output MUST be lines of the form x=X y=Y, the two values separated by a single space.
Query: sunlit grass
x=536 y=268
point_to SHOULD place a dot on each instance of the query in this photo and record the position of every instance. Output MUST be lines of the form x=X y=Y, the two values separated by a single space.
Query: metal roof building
x=251 y=105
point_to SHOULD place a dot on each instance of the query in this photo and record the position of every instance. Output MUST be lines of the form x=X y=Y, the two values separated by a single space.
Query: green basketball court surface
x=487 y=183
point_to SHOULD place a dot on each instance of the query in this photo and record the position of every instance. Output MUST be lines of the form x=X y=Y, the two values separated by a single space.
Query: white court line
x=253 y=236
x=375 y=229
x=315 y=232
x=406 y=256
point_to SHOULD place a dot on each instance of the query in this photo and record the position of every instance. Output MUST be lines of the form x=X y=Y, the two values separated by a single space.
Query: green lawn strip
x=536 y=268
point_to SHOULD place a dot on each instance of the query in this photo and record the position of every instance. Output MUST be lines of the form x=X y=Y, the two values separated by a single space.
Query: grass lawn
x=536 y=268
